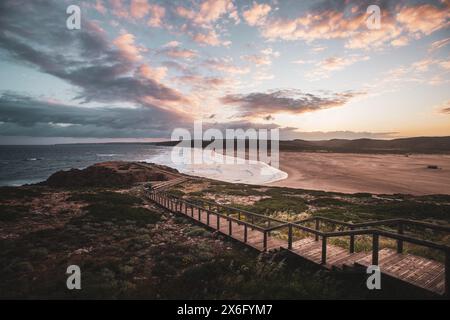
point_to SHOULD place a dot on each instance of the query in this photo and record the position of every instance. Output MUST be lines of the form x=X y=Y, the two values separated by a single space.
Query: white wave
x=225 y=168
x=108 y=154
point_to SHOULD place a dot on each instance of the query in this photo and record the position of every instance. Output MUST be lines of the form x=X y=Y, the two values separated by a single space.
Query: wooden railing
x=271 y=224
x=399 y=224
x=176 y=204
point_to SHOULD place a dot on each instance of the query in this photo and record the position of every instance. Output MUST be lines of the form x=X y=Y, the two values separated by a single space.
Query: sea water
x=31 y=164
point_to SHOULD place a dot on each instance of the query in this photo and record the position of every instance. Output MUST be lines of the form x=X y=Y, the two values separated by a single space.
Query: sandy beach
x=374 y=173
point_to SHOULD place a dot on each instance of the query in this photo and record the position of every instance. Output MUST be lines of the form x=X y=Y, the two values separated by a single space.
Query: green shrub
x=107 y=212
x=39 y=253
x=12 y=213
x=196 y=232
x=14 y=193
x=107 y=197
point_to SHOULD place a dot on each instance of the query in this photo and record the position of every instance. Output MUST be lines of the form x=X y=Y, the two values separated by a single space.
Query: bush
x=107 y=197
x=12 y=213
x=14 y=193
x=196 y=232
x=107 y=212
x=39 y=253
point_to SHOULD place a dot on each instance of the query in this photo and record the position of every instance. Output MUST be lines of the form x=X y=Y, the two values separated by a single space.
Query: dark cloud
x=291 y=101
x=34 y=33
x=25 y=116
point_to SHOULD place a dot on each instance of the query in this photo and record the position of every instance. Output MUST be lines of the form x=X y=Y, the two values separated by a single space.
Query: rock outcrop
x=110 y=174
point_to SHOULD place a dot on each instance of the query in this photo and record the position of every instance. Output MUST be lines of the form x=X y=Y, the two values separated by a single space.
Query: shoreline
x=323 y=171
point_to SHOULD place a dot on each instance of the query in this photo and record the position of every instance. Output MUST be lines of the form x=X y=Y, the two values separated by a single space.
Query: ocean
x=34 y=163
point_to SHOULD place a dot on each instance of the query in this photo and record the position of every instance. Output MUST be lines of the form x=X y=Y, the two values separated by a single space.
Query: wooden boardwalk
x=266 y=234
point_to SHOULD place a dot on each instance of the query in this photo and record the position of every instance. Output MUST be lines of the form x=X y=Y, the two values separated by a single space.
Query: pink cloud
x=118 y=8
x=139 y=8
x=126 y=46
x=436 y=45
x=178 y=52
x=396 y=29
x=423 y=19
x=208 y=12
x=157 y=14
x=334 y=63
x=210 y=38
x=225 y=65
x=263 y=58
x=100 y=7
x=148 y=72
x=256 y=14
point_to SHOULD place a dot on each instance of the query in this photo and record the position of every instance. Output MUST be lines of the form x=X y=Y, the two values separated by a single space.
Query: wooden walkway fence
x=310 y=240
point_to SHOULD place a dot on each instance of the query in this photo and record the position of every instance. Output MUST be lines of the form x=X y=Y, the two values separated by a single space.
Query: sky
x=136 y=70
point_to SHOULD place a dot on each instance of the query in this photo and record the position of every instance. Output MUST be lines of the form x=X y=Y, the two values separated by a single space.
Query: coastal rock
x=109 y=174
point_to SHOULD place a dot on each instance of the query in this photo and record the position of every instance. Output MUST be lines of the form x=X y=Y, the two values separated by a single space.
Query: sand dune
x=374 y=173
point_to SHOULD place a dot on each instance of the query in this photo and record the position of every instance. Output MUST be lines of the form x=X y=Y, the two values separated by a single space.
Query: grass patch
x=107 y=197
x=12 y=213
x=276 y=204
x=108 y=212
x=14 y=193
x=325 y=202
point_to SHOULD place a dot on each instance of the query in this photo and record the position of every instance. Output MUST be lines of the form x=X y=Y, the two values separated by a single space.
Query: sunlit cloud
x=324 y=68
x=257 y=14
x=228 y=58
x=125 y=43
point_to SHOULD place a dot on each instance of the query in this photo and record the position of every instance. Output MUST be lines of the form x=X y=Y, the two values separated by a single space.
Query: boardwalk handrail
x=244 y=211
x=386 y=222
x=265 y=232
x=229 y=208
x=355 y=229
x=400 y=223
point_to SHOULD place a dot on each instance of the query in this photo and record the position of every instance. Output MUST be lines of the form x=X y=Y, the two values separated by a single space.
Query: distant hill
x=403 y=145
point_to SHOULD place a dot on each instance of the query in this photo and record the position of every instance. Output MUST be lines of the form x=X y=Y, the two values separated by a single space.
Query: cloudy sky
x=138 y=69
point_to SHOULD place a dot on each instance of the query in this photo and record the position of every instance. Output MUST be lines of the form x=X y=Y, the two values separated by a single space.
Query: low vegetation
x=127 y=247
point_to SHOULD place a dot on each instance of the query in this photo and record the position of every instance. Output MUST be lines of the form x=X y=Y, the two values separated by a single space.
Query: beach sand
x=373 y=173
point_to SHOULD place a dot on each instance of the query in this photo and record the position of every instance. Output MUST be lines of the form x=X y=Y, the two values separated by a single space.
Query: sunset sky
x=138 y=69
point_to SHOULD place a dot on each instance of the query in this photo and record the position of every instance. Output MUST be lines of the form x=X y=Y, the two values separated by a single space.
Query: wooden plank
x=418 y=271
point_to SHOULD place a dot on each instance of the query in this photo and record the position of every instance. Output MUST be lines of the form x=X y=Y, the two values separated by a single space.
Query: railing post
x=185 y=208
x=375 y=245
x=317 y=228
x=447 y=273
x=230 y=230
x=324 y=250
x=245 y=233
x=400 y=242
x=207 y=218
x=218 y=221
x=199 y=214
x=290 y=237
x=239 y=215
x=352 y=241
x=265 y=240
